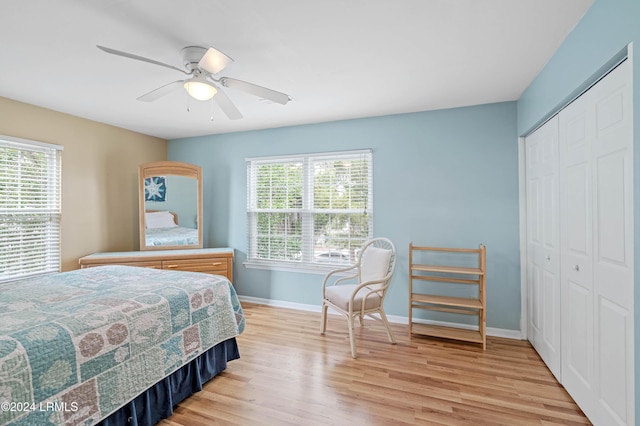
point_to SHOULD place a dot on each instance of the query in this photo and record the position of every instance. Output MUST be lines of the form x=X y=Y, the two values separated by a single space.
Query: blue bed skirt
x=158 y=401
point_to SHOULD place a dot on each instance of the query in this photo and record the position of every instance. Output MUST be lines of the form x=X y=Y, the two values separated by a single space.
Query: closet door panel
x=551 y=331
x=578 y=199
x=613 y=246
x=577 y=294
x=596 y=174
x=534 y=285
x=543 y=243
x=578 y=355
x=577 y=131
x=535 y=304
x=612 y=360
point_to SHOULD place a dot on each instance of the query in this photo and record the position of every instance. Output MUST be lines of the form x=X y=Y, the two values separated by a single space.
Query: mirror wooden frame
x=168 y=168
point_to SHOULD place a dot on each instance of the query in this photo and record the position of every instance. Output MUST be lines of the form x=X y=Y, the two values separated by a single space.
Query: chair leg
x=386 y=324
x=352 y=337
x=323 y=318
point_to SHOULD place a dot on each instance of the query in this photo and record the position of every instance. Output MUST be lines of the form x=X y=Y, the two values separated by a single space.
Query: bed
x=112 y=344
x=162 y=229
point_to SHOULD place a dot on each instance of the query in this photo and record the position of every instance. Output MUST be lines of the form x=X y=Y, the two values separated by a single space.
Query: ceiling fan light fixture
x=199 y=88
x=214 y=61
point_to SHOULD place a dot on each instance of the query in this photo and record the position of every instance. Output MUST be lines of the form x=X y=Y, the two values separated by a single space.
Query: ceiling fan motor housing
x=191 y=55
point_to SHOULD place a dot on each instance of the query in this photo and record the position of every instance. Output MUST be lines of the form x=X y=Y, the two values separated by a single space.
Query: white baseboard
x=495 y=332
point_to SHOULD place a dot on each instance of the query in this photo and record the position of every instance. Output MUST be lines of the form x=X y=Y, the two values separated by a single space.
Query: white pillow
x=374 y=264
x=159 y=220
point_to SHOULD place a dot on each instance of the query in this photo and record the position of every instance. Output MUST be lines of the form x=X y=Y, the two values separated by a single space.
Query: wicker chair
x=362 y=291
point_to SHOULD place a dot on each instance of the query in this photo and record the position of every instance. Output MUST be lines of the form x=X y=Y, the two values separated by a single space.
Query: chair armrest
x=386 y=279
x=347 y=278
x=337 y=271
x=326 y=283
x=368 y=283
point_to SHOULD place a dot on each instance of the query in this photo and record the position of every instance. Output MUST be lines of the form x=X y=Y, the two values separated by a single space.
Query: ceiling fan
x=201 y=64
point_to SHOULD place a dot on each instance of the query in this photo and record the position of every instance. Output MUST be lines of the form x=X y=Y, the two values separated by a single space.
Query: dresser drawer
x=215 y=265
x=156 y=264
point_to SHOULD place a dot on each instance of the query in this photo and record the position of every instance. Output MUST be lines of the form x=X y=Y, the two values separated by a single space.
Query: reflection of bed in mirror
x=163 y=229
x=170 y=206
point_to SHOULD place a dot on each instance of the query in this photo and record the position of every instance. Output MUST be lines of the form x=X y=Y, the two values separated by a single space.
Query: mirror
x=170 y=205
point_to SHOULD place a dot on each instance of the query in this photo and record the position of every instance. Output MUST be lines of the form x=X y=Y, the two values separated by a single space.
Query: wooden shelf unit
x=446 y=275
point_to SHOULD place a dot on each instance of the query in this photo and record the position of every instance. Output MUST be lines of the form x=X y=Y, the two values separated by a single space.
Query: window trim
x=305 y=267
x=30 y=142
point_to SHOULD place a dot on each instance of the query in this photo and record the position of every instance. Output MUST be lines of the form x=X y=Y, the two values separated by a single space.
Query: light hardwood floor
x=289 y=374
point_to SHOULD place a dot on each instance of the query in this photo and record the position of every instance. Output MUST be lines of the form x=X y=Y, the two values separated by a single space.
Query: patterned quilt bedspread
x=76 y=346
x=177 y=235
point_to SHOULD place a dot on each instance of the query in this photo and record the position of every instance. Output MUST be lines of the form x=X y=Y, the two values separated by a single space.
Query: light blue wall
x=181 y=199
x=442 y=178
x=606 y=29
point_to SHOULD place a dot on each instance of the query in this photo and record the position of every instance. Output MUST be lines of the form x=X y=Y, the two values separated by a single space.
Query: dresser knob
x=577 y=268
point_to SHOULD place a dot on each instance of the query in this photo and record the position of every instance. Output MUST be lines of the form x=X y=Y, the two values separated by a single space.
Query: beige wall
x=99 y=176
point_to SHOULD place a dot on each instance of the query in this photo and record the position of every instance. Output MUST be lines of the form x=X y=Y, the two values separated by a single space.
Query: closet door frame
x=522 y=208
x=625 y=54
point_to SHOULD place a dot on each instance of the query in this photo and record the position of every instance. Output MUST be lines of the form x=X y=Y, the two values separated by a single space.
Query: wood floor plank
x=290 y=374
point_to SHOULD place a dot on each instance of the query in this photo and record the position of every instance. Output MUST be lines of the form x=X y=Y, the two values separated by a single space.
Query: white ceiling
x=337 y=59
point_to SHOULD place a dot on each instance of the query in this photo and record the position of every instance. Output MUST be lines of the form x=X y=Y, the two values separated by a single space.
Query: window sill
x=306 y=268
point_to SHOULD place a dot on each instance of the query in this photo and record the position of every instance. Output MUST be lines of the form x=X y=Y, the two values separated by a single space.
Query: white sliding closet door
x=543 y=243
x=596 y=205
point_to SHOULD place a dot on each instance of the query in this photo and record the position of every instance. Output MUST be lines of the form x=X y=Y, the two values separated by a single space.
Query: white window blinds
x=312 y=209
x=29 y=208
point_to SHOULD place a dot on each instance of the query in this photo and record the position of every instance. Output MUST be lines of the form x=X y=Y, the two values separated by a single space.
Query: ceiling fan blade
x=161 y=91
x=254 y=89
x=226 y=105
x=139 y=58
x=214 y=61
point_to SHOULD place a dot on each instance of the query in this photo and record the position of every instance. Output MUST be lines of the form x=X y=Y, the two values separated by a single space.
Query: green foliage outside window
x=332 y=218
x=29 y=209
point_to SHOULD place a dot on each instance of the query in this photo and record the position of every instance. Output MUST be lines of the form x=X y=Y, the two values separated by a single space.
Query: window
x=29 y=208
x=309 y=210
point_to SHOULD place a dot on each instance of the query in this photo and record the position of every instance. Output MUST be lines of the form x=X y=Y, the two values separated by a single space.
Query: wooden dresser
x=218 y=261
